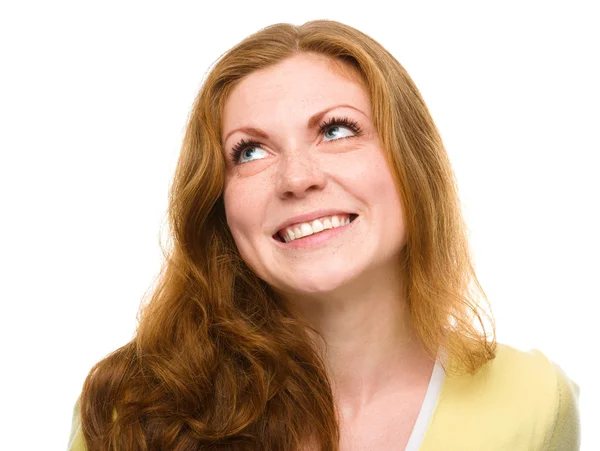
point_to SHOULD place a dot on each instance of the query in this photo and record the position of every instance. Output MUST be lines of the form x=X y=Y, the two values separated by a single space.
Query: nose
x=298 y=173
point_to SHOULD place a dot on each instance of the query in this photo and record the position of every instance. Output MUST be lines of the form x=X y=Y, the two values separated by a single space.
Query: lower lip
x=317 y=239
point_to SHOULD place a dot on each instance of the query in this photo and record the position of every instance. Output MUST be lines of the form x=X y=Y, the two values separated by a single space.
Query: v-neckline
x=427 y=407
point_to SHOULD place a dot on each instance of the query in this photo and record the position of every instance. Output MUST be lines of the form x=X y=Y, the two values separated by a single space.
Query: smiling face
x=294 y=167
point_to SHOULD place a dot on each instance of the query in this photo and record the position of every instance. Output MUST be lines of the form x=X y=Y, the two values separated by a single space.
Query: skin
x=352 y=288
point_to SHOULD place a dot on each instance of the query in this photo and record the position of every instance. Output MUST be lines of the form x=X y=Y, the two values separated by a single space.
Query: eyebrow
x=312 y=122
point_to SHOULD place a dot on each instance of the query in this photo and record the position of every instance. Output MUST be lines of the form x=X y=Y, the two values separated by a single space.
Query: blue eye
x=241 y=148
x=334 y=123
x=343 y=122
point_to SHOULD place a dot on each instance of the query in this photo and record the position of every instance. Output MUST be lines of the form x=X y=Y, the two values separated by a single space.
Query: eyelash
x=244 y=144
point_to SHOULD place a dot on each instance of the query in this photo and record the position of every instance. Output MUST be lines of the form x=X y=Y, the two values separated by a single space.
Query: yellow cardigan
x=517 y=401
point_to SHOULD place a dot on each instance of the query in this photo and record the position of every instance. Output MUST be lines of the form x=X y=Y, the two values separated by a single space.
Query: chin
x=322 y=283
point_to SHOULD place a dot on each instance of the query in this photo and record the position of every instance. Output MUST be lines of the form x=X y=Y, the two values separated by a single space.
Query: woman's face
x=297 y=169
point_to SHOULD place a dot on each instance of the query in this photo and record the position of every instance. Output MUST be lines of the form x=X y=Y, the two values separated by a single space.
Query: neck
x=369 y=346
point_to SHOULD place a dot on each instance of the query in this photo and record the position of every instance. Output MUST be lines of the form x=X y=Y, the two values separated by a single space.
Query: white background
x=93 y=103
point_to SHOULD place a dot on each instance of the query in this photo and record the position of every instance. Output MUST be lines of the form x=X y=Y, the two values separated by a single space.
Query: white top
x=427 y=408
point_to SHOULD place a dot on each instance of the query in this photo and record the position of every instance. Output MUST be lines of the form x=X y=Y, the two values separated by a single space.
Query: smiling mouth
x=281 y=240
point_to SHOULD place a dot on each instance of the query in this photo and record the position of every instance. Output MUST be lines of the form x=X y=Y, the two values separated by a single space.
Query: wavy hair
x=218 y=361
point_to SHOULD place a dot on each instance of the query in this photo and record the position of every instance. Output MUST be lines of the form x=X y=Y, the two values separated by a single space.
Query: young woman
x=319 y=293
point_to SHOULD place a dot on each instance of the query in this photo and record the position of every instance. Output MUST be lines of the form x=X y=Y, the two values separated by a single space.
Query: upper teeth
x=302 y=229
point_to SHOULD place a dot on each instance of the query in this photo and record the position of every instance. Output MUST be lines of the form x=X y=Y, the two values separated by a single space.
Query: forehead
x=293 y=89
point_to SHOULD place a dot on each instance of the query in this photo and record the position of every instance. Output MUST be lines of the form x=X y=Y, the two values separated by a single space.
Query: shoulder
x=76 y=439
x=566 y=431
x=518 y=400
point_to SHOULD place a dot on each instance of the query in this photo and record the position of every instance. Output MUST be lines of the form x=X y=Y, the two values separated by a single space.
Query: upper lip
x=311 y=216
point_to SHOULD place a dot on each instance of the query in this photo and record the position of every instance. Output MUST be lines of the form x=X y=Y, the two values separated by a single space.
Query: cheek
x=371 y=177
x=243 y=215
x=378 y=189
x=242 y=210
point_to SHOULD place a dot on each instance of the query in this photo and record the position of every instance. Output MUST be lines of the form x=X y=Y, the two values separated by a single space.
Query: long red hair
x=218 y=361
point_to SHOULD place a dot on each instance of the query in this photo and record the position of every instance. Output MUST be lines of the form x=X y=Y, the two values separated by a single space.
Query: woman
x=319 y=293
